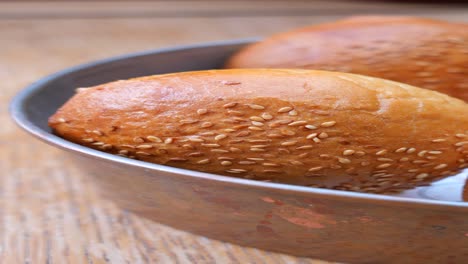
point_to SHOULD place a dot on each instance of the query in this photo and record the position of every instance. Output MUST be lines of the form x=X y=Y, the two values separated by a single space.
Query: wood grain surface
x=50 y=213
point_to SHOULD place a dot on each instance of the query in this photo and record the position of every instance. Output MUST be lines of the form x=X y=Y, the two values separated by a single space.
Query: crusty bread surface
x=303 y=127
x=426 y=53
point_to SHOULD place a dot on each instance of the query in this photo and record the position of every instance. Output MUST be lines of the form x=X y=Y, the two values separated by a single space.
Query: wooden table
x=49 y=213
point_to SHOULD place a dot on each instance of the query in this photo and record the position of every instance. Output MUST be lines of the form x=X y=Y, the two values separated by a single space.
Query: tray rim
x=17 y=113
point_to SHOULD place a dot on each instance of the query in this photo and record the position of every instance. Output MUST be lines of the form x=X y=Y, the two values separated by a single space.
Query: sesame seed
x=229 y=130
x=311 y=127
x=256 y=106
x=188 y=121
x=344 y=160
x=226 y=163
x=152 y=139
x=460 y=135
x=420 y=161
x=194 y=139
x=304 y=147
x=98 y=143
x=236 y=171
x=413 y=170
x=61 y=120
x=106 y=146
x=188 y=146
x=410 y=150
x=440 y=166
x=202 y=111
x=206 y=124
x=256 y=123
x=246 y=162
x=259 y=146
x=348 y=152
x=292 y=113
x=422 y=176
x=229 y=105
x=235 y=150
x=323 y=135
x=296 y=163
x=381 y=152
x=144 y=146
x=257 y=150
x=257 y=118
x=268 y=164
x=385 y=159
x=267 y=116
x=211 y=145
x=168 y=140
x=328 y=124
x=400 y=150
x=316 y=140
x=404 y=159
x=359 y=153
x=219 y=151
x=127 y=146
x=365 y=163
x=203 y=161
x=285 y=109
x=97 y=132
x=383 y=166
x=435 y=152
x=303 y=155
x=315 y=169
x=88 y=140
x=439 y=140
x=335 y=167
x=243 y=134
x=220 y=136
x=422 y=153
x=195 y=154
x=236 y=113
x=289 y=143
x=255 y=128
x=297 y=123
x=461 y=143
x=311 y=135
x=256 y=159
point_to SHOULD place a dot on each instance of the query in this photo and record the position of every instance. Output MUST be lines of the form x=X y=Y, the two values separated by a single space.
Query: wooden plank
x=204 y=8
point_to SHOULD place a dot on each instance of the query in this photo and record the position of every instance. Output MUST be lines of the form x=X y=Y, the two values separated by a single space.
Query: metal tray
x=426 y=225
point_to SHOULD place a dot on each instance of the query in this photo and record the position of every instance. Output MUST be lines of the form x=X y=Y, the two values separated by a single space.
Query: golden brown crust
x=302 y=127
x=426 y=53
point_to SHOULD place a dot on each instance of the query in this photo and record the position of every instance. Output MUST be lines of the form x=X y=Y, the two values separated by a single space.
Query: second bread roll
x=313 y=128
x=426 y=53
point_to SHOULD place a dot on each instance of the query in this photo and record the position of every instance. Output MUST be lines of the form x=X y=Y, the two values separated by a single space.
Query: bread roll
x=313 y=128
x=423 y=52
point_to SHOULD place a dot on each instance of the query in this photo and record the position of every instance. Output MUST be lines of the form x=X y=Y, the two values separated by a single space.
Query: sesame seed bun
x=303 y=127
x=422 y=52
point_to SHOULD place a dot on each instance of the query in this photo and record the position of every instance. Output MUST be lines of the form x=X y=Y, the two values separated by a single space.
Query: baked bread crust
x=422 y=52
x=303 y=127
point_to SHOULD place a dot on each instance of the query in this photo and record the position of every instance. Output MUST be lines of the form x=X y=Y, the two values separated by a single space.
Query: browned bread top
x=426 y=53
x=303 y=127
